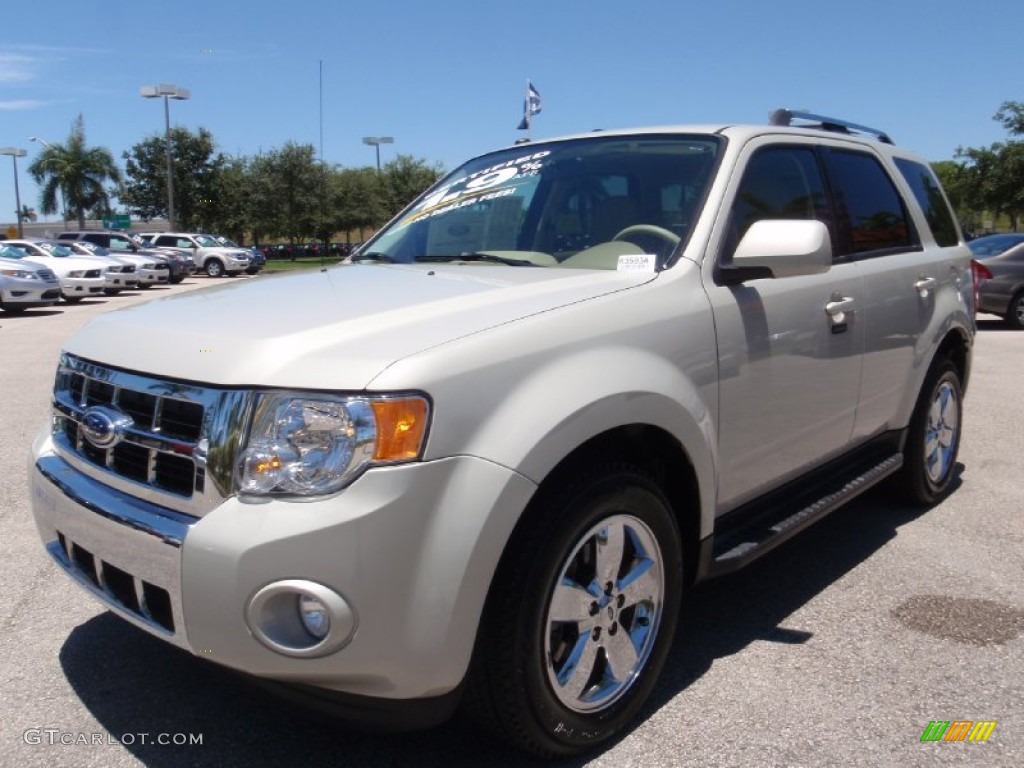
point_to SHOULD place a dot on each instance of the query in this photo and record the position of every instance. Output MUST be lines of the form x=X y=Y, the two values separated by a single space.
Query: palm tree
x=77 y=171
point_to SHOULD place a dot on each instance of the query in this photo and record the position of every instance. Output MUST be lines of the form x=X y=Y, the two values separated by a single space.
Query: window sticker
x=642 y=262
x=487 y=184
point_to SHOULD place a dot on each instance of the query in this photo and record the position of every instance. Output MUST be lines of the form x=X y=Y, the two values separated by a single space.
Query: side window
x=163 y=240
x=871 y=211
x=929 y=196
x=782 y=182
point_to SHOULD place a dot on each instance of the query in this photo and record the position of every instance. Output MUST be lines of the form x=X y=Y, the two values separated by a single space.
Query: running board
x=736 y=548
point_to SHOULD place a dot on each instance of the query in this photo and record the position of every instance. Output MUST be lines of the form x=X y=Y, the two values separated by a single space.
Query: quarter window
x=926 y=189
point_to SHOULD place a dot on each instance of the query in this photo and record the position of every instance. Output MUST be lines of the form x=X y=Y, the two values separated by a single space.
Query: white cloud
x=20 y=104
x=15 y=68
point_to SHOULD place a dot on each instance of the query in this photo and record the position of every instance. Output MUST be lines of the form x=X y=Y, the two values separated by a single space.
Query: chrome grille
x=175 y=443
x=47 y=274
x=92 y=273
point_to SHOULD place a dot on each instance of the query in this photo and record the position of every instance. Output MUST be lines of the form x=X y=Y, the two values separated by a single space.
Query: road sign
x=118 y=221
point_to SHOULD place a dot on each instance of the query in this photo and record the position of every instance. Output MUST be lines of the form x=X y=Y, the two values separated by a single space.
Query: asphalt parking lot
x=838 y=649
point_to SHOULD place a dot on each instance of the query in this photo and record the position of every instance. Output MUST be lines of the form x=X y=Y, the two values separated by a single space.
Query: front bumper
x=152 y=276
x=411 y=548
x=82 y=286
x=28 y=294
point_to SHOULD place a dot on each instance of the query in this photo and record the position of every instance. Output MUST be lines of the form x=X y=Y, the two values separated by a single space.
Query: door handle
x=839 y=306
x=925 y=284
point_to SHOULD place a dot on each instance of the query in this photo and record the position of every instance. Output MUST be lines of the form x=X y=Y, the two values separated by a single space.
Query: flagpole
x=529 y=116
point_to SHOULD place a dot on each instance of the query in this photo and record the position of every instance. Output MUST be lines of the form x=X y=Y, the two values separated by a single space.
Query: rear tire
x=1014 y=316
x=580 y=617
x=214 y=268
x=933 y=440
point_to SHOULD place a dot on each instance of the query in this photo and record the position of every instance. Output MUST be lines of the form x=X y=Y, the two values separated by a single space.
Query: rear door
x=790 y=371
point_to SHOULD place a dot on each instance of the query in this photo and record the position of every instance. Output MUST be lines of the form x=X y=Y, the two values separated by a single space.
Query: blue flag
x=531 y=106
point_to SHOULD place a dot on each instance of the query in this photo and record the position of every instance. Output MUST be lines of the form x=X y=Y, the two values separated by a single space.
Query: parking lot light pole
x=168 y=91
x=15 y=153
x=376 y=141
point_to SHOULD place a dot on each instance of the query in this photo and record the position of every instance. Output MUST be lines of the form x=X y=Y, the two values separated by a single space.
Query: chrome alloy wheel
x=940 y=439
x=603 y=614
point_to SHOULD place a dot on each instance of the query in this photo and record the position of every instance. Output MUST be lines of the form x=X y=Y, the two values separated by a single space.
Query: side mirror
x=781 y=248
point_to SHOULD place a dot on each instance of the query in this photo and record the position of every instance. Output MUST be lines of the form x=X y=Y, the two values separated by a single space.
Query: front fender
x=528 y=393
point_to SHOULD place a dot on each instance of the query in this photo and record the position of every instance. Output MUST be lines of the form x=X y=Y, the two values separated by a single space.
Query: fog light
x=301 y=618
x=314 y=616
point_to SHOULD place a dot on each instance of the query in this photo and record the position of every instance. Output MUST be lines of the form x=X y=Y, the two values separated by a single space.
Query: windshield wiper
x=483 y=256
x=372 y=256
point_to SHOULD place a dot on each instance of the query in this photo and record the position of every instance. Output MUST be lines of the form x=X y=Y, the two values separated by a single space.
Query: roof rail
x=786 y=117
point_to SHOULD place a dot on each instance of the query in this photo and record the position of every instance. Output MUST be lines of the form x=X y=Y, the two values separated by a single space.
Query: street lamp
x=15 y=153
x=60 y=192
x=168 y=91
x=376 y=141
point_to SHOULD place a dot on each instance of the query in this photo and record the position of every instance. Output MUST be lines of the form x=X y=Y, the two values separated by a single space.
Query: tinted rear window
x=871 y=209
x=926 y=189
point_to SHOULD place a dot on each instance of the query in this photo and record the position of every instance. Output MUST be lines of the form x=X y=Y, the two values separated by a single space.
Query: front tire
x=581 y=616
x=214 y=268
x=934 y=437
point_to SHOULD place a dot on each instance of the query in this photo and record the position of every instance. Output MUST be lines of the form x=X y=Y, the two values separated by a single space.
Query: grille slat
x=156 y=420
x=145 y=600
x=155 y=436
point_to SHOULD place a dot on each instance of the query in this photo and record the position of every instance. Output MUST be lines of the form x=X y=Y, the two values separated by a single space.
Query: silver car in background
x=150 y=269
x=24 y=284
x=80 y=276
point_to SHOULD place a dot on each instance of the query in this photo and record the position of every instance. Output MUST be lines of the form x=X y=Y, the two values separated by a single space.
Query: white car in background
x=24 y=284
x=80 y=276
x=150 y=270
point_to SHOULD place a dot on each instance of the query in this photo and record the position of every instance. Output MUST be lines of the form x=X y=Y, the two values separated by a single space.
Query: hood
x=333 y=329
x=64 y=264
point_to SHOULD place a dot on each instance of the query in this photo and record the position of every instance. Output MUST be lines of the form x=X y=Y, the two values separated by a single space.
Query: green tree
x=404 y=178
x=77 y=171
x=1011 y=115
x=228 y=210
x=196 y=167
x=287 y=184
x=356 y=200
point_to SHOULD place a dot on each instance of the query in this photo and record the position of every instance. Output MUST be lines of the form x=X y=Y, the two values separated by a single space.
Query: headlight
x=318 y=444
x=25 y=274
x=77 y=273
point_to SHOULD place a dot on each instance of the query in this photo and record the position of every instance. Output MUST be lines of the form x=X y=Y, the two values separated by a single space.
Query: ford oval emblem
x=103 y=426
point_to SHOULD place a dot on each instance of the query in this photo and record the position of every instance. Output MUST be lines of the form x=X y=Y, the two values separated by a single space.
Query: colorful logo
x=958 y=730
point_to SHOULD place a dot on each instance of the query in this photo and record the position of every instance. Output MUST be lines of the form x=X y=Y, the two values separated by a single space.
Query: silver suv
x=482 y=462
x=211 y=256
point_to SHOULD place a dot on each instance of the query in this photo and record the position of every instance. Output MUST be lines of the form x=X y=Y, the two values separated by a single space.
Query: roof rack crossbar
x=786 y=117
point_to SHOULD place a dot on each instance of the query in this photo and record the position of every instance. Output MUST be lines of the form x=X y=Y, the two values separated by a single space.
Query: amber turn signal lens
x=401 y=427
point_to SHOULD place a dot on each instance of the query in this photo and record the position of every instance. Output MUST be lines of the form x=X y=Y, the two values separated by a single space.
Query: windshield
x=53 y=249
x=92 y=248
x=585 y=203
x=206 y=241
x=11 y=252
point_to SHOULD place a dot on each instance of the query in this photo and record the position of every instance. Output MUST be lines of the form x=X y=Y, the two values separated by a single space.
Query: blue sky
x=446 y=78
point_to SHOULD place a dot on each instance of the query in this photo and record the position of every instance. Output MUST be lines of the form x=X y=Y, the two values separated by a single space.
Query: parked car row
x=37 y=273
x=302 y=250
